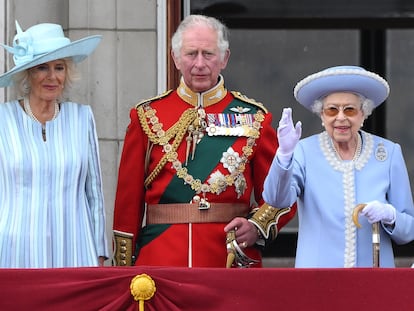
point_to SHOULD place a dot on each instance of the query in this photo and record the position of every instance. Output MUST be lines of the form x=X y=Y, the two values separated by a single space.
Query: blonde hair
x=22 y=80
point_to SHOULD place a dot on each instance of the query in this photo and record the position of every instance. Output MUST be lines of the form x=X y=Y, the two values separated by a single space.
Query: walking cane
x=375 y=235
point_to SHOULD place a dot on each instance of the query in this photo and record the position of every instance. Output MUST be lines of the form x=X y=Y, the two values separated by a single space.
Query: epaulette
x=244 y=98
x=153 y=98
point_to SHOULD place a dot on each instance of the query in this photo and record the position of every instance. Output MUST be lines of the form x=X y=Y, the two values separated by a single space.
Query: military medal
x=240 y=109
x=191 y=127
x=233 y=124
x=231 y=160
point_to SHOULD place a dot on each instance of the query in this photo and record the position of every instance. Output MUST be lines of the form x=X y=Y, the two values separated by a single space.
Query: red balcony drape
x=202 y=289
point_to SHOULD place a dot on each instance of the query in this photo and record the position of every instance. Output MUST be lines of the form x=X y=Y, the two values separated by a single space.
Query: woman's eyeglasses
x=349 y=111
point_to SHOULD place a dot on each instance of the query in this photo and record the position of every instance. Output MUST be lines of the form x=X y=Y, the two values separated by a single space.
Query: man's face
x=200 y=62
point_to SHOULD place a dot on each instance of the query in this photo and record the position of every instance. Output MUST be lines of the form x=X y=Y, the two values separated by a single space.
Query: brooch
x=381 y=153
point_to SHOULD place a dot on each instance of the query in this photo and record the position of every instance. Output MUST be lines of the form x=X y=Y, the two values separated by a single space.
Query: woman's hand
x=376 y=211
x=288 y=136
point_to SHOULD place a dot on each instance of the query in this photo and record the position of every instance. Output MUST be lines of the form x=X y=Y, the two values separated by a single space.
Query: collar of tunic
x=205 y=99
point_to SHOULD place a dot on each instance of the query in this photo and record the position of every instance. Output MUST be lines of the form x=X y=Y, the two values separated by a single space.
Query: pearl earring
x=26 y=87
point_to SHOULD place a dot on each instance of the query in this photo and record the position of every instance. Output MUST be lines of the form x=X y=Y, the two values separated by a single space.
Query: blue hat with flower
x=352 y=79
x=43 y=43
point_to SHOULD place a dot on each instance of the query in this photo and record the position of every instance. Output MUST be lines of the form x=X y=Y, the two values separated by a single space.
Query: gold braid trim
x=123 y=255
x=244 y=98
x=266 y=219
x=178 y=130
x=160 y=137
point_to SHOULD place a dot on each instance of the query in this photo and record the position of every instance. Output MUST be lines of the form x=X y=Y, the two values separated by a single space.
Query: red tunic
x=196 y=244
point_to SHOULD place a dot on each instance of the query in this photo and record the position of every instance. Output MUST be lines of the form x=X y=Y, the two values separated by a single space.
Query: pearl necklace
x=29 y=111
x=357 y=149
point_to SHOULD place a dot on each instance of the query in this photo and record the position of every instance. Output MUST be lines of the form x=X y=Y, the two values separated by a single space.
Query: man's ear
x=225 y=59
x=176 y=60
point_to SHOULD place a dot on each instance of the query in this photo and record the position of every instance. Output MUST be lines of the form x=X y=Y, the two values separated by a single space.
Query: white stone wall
x=121 y=72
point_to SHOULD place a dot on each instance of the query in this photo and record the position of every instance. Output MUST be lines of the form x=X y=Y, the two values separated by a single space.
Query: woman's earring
x=26 y=88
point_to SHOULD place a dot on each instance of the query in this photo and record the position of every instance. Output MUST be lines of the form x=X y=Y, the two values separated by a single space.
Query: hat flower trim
x=342 y=71
x=22 y=49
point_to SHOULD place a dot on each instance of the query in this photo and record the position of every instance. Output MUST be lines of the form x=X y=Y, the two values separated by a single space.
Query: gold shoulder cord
x=244 y=98
x=157 y=136
x=179 y=129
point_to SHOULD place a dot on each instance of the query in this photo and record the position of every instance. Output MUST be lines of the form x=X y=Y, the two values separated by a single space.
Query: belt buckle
x=203 y=205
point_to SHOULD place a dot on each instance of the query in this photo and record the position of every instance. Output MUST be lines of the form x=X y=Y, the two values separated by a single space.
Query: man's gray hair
x=194 y=20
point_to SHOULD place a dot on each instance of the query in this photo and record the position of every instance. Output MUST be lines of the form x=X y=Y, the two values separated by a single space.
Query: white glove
x=288 y=137
x=376 y=211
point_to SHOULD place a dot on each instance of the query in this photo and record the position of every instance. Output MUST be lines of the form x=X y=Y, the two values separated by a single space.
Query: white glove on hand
x=376 y=211
x=288 y=136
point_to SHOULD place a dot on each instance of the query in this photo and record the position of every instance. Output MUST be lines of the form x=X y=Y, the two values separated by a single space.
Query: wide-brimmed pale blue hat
x=352 y=79
x=43 y=43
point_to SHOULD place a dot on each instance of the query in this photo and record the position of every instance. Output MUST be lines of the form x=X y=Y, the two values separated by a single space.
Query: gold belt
x=182 y=213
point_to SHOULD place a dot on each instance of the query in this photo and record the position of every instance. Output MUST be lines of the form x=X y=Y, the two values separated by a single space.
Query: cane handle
x=355 y=214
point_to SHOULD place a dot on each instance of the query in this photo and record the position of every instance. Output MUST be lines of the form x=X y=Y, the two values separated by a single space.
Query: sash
x=213 y=146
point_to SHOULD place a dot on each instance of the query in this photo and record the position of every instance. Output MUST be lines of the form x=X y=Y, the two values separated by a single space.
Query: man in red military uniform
x=192 y=159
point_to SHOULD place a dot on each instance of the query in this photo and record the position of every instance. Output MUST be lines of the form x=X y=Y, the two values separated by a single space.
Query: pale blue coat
x=51 y=199
x=327 y=190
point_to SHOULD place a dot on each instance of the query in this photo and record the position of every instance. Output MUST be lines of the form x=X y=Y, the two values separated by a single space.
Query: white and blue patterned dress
x=51 y=199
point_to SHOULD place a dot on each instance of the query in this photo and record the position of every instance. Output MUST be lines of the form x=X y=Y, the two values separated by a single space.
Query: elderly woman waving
x=332 y=172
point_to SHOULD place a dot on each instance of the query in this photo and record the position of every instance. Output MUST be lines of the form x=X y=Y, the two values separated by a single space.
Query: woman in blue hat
x=52 y=207
x=331 y=173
